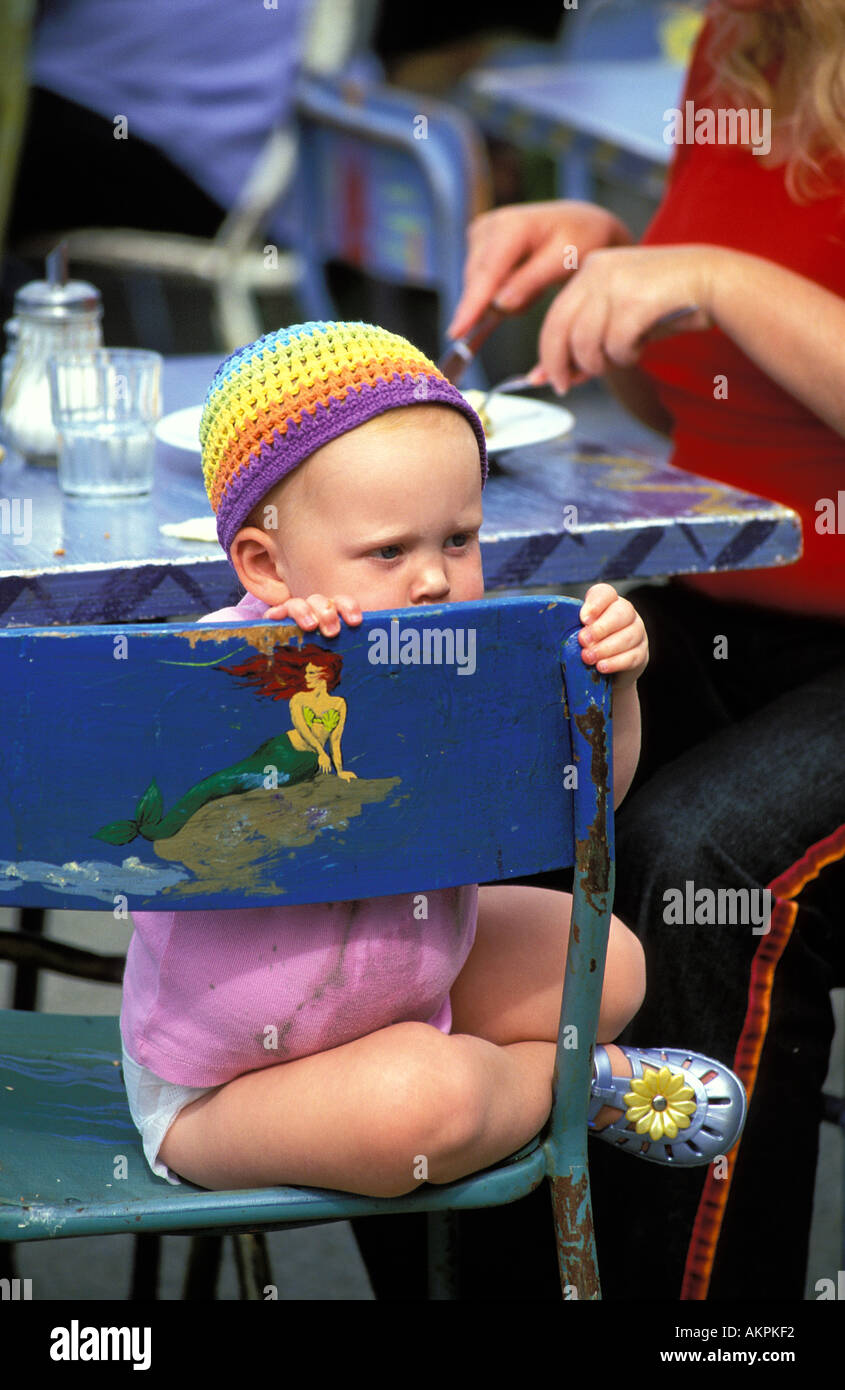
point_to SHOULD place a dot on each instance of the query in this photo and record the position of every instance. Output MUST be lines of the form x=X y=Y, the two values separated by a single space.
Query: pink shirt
x=210 y=995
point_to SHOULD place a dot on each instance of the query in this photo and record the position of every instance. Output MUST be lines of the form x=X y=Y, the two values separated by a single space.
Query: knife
x=460 y=353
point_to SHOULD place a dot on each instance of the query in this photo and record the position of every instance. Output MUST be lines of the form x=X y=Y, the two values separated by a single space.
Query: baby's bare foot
x=620 y=1066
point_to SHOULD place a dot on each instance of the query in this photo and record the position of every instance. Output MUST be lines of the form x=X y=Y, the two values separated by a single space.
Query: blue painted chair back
x=455 y=729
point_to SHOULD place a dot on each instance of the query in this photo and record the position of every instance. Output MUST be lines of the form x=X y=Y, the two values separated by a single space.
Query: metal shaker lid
x=58 y=298
x=40 y=299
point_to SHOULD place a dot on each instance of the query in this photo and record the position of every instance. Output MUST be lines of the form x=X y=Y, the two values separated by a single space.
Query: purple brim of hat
x=286 y=450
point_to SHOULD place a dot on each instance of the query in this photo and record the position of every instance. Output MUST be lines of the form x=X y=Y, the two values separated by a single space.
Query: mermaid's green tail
x=247 y=775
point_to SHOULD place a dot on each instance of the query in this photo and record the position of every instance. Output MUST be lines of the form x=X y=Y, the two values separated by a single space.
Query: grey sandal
x=679 y=1107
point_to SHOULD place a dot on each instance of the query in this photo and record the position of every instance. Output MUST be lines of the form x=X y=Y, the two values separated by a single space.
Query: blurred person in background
x=148 y=115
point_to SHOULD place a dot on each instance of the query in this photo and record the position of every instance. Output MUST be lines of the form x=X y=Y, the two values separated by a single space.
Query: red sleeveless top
x=759 y=438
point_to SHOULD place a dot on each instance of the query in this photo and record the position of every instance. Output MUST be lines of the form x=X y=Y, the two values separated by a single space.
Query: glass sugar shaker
x=52 y=315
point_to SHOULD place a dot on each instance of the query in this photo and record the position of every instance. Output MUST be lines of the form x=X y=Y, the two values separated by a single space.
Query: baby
x=346 y=474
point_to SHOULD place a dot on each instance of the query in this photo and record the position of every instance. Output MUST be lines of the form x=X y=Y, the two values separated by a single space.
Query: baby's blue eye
x=459 y=540
x=383 y=552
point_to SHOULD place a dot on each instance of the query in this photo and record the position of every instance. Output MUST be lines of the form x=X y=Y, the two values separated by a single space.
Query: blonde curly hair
x=805 y=40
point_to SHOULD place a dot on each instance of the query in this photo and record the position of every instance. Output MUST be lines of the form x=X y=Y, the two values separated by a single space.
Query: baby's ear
x=256 y=562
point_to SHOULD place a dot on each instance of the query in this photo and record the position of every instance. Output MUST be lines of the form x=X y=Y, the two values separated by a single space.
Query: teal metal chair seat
x=66 y=1120
x=470 y=763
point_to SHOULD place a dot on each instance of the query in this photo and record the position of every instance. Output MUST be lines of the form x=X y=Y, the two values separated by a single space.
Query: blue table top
x=618 y=102
x=106 y=561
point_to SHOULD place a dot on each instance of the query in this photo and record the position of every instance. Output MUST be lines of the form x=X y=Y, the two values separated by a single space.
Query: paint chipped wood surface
x=455 y=772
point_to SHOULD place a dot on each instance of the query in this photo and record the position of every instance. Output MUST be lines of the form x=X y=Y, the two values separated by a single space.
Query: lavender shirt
x=201 y=988
x=204 y=81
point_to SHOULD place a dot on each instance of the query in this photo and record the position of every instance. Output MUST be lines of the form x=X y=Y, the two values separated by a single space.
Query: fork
x=462 y=352
x=510 y=383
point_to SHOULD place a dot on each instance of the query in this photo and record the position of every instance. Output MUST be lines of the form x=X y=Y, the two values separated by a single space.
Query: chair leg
x=576 y=1246
x=254 y=1272
x=237 y=318
x=313 y=289
x=25 y=996
x=203 y=1270
x=146 y=1264
x=443 y=1255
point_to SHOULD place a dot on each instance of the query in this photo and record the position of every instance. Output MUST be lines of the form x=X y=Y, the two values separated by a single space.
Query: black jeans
x=741 y=784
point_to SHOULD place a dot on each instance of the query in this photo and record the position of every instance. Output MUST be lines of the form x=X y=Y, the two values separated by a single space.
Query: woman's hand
x=318 y=611
x=614 y=637
x=514 y=253
x=613 y=301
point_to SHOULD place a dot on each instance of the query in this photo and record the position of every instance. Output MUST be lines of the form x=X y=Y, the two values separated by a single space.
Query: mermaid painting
x=305 y=677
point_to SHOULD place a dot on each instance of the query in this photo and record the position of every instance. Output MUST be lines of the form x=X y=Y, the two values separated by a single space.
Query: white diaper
x=154 y=1105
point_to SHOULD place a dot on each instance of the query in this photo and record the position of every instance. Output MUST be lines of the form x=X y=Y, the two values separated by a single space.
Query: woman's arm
x=514 y=253
x=788 y=325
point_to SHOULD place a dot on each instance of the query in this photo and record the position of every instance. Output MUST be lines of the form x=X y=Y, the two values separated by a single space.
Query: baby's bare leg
x=511 y=986
x=362 y=1116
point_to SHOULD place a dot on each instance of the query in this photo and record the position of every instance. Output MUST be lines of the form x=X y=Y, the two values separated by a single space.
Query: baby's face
x=388 y=514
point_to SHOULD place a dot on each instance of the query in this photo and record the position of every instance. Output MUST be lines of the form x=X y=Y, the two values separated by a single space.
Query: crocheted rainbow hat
x=275 y=401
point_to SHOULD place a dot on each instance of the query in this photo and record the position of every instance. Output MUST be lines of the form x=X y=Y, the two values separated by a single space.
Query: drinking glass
x=105 y=404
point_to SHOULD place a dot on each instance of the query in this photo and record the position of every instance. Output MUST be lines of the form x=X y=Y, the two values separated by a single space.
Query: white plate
x=516 y=421
x=519 y=421
x=181 y=428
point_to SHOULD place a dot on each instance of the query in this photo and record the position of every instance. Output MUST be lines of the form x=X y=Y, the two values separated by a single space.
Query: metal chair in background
x=232 y=265
x=357 y=181
x=387 y=183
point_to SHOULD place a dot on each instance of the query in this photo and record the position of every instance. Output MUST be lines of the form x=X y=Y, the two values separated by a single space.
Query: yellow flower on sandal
x=659 y=1104
x=677 y=1107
